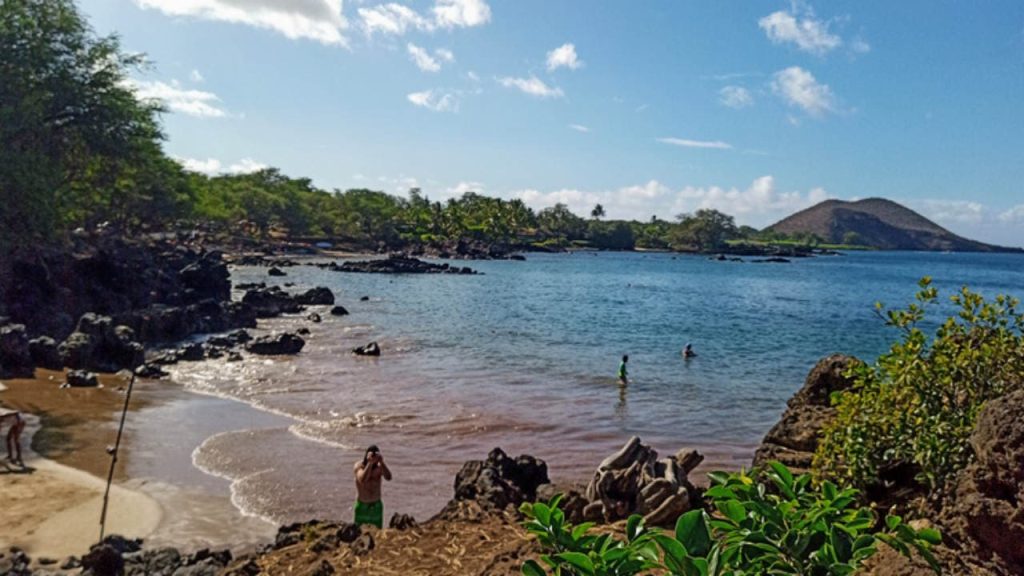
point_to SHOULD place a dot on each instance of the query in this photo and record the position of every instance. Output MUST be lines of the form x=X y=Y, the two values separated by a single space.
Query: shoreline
x=52 y=510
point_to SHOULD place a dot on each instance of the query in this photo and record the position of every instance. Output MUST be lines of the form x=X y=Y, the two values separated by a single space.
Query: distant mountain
x=878 y=223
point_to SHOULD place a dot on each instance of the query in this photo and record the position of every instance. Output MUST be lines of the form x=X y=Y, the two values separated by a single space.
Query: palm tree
x=598 y=212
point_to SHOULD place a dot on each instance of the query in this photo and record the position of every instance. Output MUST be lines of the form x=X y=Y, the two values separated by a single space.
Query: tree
x=70 y=124
x=705 y=230
x=598 y=212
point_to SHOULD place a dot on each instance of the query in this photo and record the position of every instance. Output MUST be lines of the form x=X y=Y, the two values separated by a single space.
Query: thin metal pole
x=113 y=456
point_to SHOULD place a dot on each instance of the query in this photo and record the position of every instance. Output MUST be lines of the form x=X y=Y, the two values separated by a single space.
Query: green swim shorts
x=370 y=513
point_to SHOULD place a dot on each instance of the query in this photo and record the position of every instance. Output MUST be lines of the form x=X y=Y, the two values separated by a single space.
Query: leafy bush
x=767 y=523
x=919 y=402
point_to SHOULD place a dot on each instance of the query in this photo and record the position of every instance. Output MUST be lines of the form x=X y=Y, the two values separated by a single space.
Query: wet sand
x=52 y=508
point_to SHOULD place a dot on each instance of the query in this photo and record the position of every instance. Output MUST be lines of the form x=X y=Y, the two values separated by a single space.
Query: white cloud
x=445 y=55
x=397 y=19
x=1013 y=215
x=758 y=205
x=735 y=97
x=533 y=86
x=422 y=58
x=391 y=18
x=860 y=46
x=684 y=143
x=473 y=76
x=951 y=211
x=579 y=128
x=799 y=88
x=209 y=166
x=564 y=57
x=212 y=166
x=805 y=30
x=191 y=102
x=461 y=13
x=436 y=100
x=463 y=187
x=246 y=166
x=319 y=20
x=195 y=76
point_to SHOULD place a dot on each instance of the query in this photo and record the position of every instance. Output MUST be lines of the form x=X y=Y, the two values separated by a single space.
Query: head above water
x=625 y=357
x=372 y=449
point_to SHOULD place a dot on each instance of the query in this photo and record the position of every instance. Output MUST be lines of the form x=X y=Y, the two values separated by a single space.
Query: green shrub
x=919 y=402
x=766 y=523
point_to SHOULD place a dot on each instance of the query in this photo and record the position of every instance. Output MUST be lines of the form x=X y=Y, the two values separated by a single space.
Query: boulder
x=276 y=344
x=270 y=302
x=15 y=356
x=45 y=353
x=794 y=438
x=207 y=277
x=98 y=344
x=82 y=379
x=500 y=481
x=634 y=480
x=314 y=318
x=316 y=296
x=339 y=311
x=984 y=516
x=275 y=271
x=371 y=349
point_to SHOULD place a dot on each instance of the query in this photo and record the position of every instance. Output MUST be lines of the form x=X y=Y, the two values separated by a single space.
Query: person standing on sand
x=622 y=370
x=369 y=509
x=13 y=435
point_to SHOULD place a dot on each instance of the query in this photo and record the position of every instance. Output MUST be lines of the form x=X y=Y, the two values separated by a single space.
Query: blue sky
x=648 y=107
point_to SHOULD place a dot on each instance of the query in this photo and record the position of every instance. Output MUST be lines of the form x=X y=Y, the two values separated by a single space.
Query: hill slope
x=878 y=223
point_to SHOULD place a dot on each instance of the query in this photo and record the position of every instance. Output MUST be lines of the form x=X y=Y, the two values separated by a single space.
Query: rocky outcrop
x=398 y=264
x=276 y=344
x=97 y=344
x=635 y=481
x=497 y=482
x=793 y=440
x=271 y=302
x=984 y=516
x=81 y=379
x=15 y=355
x=316 y=296
x=45 y=353
x=339 y=311
x=117 y=556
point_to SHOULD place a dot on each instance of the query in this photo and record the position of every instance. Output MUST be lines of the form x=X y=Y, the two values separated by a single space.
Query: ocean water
x=524 y=357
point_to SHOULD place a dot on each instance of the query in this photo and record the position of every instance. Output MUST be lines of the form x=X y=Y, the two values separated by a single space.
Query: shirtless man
x=17 y=424
x=369 y=509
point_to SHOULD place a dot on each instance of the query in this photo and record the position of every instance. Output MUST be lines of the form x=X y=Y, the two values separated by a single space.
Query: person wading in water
x=369 y=509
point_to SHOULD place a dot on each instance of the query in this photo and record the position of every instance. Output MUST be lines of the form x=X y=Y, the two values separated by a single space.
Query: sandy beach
x=53 y=510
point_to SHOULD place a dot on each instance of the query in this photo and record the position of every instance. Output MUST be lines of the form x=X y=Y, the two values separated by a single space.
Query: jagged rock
x=364 y=298
x=793 y=440
x=247 y=567
x=500 y=481
x=314 y=318
x=192 y=352
x=572 y=504
x=15 y=355
x=234 y=356
x=82 y=379
x=402 y=522
x=106 y=557
x=634 y=480
x=339 y=311
x=207 y=277
x=44 y=353
x=275 y=271
x=98 y=344
x=303 y=331
x=276 y=344
x=270 y=302
x=316 y=296
x=985 y=514
x=371 y=349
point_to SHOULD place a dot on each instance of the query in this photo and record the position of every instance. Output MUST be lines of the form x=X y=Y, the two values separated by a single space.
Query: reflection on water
x=524 y=357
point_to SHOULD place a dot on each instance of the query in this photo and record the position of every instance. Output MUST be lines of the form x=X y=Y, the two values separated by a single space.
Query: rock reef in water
x=398 y=264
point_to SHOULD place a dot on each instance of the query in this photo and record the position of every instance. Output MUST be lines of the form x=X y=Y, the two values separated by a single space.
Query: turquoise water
x=524 y=357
